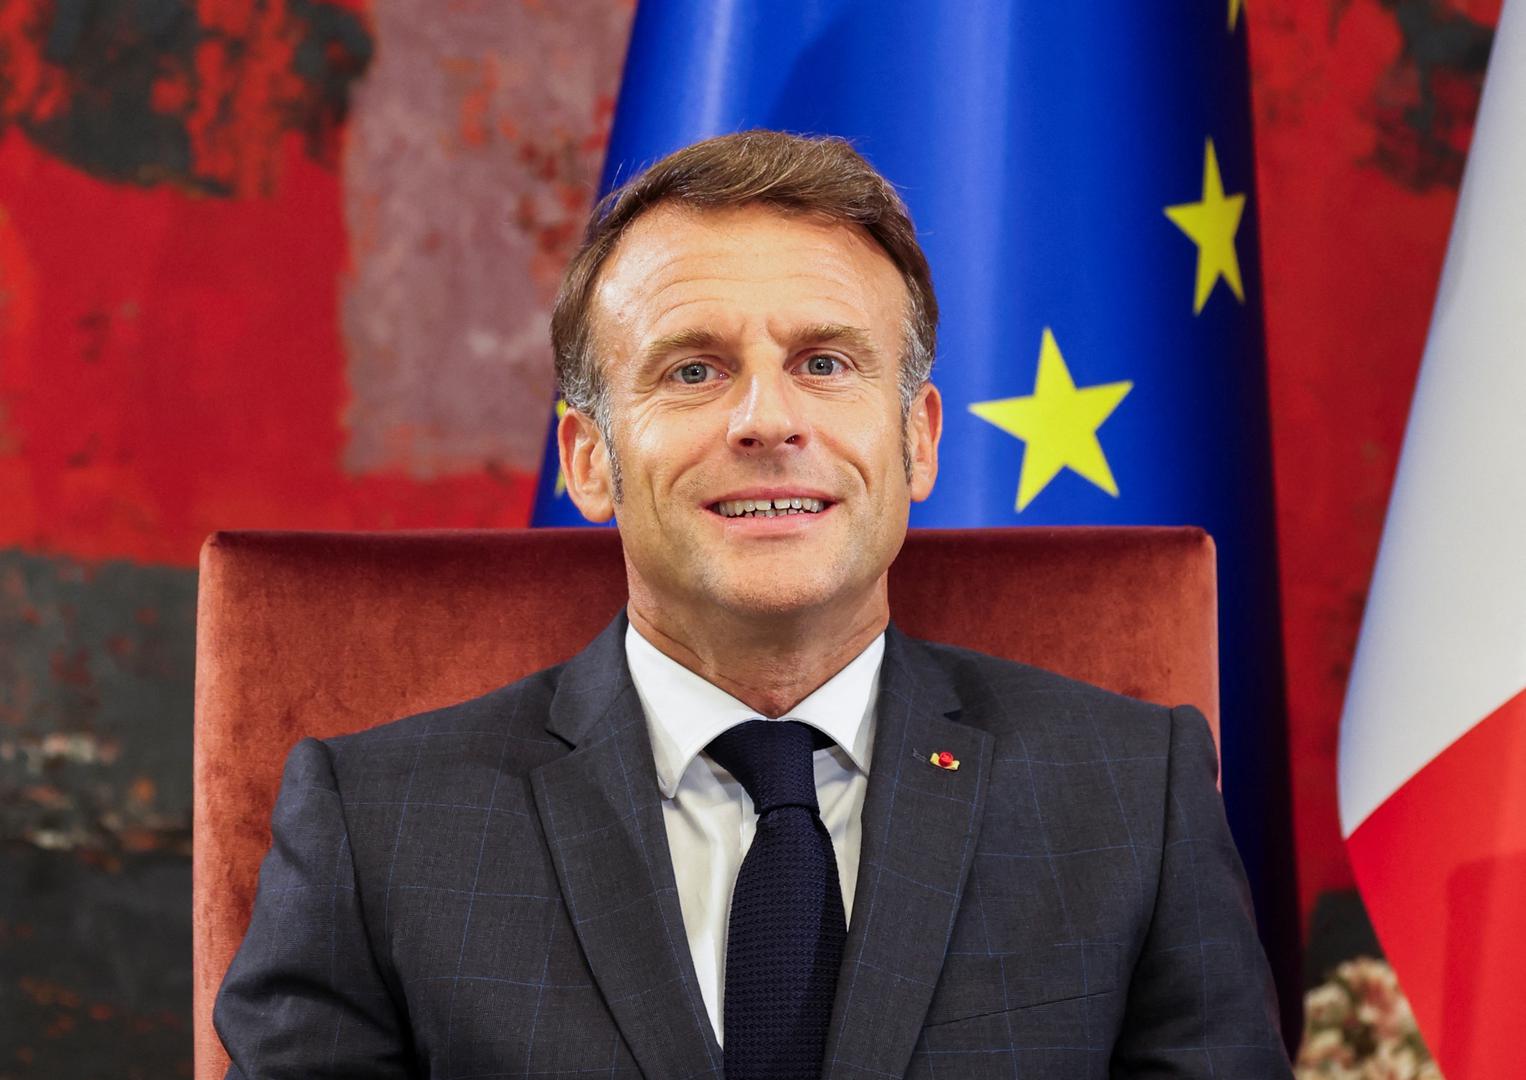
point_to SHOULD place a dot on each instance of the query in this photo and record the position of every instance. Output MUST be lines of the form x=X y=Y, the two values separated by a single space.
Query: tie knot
x=771 y=759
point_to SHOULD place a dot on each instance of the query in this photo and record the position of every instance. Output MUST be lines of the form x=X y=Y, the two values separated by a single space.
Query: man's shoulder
x=1007 y=697
x=981 y=673
x=506 y=725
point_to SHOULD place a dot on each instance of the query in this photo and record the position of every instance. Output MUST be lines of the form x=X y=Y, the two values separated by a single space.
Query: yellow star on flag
x=1211 y=224
x=561 y=477
x=1059 y=423
x=1234 y=12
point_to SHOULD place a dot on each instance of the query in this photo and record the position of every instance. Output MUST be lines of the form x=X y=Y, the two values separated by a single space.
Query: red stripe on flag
x=1442 y=868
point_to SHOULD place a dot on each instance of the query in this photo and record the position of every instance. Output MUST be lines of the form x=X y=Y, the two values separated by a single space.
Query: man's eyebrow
x=694 y=337
x=703 y=337
x=851 y=337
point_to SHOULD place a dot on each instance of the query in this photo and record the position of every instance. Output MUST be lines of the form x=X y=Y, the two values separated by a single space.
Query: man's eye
x=822 y=364
x=693 y=373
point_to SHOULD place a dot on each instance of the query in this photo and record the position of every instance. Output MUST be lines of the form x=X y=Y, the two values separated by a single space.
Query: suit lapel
x=602 y=815
x=919 y=830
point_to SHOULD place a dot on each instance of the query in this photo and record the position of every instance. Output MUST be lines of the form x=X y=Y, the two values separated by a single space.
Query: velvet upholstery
x=318 y=634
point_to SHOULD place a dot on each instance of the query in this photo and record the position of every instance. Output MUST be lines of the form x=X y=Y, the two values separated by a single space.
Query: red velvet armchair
x=320 y=634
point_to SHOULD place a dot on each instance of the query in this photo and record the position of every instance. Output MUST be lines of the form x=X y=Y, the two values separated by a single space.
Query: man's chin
x=774 y=597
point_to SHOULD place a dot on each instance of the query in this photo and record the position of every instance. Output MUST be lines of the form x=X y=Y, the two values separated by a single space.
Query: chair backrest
x=320 y=634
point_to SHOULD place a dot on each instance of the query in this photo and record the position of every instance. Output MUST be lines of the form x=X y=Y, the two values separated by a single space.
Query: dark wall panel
x=95 y=816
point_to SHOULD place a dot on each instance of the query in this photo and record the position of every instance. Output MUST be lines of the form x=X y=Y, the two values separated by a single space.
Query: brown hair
x=820 y=176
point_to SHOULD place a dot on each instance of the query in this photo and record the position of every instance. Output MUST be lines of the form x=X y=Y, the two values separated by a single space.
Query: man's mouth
x=781 y=506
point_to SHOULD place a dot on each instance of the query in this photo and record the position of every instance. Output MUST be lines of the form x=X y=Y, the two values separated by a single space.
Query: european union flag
x=1081 y=176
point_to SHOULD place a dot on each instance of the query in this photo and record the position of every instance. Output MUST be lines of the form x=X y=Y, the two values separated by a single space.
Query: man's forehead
x=676 y=255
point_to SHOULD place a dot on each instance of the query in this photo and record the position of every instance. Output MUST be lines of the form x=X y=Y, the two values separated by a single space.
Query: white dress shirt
x=709 y=817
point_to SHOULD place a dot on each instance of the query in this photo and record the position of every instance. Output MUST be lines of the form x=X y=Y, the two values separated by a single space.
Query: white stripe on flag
x=1443 y=640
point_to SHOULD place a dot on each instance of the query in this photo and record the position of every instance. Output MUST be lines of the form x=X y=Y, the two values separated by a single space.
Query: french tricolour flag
x=1433 y=738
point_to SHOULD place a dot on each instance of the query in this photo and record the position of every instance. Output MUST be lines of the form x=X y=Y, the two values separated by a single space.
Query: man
x=714 y=842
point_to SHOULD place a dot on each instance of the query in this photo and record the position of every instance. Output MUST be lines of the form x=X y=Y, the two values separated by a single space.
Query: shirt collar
x=685 y=712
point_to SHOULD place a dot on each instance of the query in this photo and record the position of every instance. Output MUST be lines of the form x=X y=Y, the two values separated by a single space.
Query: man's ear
x=585 y=465
x=924 y=427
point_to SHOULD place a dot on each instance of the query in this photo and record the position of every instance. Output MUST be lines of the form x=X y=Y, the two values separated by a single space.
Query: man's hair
x=819 y=177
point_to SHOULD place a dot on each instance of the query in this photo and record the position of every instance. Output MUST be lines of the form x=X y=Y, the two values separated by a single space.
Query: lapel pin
x=944 y=760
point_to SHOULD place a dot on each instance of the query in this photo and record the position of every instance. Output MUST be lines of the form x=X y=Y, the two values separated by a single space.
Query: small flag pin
x=944 y=760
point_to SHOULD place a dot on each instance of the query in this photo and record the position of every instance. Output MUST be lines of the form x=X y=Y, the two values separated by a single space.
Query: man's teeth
x=769 y=507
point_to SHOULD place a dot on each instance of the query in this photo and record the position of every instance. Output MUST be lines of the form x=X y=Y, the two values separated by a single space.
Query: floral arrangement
x=1358 y=1026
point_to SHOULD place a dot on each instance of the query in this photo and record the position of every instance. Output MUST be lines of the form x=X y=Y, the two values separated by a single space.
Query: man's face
x=752 y=356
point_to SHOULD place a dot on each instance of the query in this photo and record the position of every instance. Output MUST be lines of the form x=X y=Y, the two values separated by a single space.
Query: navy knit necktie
x=784 y=944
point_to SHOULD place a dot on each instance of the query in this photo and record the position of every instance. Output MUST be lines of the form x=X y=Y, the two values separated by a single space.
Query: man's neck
x=769 y=667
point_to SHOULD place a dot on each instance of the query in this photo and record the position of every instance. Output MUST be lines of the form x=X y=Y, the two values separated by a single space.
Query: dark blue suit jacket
x=486 y=891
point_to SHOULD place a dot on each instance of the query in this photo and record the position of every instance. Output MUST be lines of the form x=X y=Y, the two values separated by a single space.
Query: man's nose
x=768 y=415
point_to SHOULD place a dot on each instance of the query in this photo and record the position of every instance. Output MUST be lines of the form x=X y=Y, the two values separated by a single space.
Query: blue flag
x=1082 y=182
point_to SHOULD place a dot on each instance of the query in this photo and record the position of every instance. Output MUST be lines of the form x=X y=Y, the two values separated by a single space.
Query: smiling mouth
x=782 y=507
